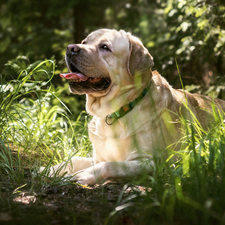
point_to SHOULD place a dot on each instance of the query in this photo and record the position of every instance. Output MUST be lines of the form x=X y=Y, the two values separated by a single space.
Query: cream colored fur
x=120 y=150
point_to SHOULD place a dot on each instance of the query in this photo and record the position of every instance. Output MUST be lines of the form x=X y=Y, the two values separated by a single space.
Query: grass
x=34 y=132
x=190 y=191
x=31 y=127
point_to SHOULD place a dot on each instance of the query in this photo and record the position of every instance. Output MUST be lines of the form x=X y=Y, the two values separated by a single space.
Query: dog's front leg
x=112 y=170
x=71 y=166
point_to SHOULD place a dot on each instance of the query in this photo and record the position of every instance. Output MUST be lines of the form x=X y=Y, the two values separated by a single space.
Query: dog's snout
x=72 y=49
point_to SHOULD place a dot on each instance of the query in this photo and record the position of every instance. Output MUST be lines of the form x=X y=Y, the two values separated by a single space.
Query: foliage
x=189 y=191
x=191 y=31
x=199 y=27
x=30 y=123
x=37 y=128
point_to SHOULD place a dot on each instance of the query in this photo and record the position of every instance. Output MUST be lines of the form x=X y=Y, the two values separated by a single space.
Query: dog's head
x=104 y=59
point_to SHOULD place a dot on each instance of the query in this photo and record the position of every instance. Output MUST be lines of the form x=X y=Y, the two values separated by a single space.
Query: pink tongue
x=74 y=76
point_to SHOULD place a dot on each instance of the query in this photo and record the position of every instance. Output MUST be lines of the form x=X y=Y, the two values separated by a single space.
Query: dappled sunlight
x=176 y=175
x=25 y=199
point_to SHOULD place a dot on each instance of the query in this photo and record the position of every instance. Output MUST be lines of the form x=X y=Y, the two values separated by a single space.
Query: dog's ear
x=140 y=60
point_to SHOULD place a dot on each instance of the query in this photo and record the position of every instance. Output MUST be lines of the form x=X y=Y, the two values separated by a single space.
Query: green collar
x=126 y=108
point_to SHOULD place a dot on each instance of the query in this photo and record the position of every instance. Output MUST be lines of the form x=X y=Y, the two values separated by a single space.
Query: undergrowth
x=34 y=132
x=188 y=191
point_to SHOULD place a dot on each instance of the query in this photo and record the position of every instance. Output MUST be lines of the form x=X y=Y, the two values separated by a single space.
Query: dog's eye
x=105 y=47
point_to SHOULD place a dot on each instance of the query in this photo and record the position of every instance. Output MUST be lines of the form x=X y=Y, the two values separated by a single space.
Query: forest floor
x=66 y=204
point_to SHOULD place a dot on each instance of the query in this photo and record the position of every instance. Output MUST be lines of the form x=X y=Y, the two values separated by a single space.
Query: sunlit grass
x=188 y=191
x=34 y=133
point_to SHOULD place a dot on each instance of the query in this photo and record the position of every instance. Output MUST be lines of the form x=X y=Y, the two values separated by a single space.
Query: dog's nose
x=72 y=49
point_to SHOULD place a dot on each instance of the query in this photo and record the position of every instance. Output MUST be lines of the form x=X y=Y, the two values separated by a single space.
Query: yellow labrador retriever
x=135 y=111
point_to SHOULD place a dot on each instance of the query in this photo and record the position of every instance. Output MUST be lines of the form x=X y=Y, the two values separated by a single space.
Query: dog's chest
x=108 y=141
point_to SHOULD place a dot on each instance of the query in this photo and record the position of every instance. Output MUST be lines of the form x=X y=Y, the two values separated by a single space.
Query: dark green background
x=190 y=31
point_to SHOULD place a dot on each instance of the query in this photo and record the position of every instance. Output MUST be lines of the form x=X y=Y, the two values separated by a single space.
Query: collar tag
x=109 y=120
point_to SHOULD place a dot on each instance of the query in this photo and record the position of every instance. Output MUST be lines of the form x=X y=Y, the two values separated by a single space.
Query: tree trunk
x=79 y=11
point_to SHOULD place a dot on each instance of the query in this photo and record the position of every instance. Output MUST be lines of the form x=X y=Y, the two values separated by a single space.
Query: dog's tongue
x=74 y=76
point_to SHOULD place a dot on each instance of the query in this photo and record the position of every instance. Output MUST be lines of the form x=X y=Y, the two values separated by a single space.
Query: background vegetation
x=191 y=31
x=41 y=123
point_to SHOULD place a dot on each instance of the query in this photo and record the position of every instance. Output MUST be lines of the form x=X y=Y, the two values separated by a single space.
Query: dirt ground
x=68 y=204
x=60 y=204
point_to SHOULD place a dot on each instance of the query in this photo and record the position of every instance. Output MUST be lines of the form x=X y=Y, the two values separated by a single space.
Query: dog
x=135 y=111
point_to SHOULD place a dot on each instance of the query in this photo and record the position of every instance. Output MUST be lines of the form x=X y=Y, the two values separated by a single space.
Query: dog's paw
x=85 y=178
